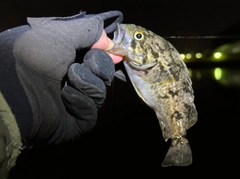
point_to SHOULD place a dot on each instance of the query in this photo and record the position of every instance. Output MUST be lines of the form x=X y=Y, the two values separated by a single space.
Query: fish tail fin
x=179 y=153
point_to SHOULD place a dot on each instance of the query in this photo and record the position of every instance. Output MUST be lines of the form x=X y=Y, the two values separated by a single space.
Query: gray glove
x=64 y=106
x=86 y=91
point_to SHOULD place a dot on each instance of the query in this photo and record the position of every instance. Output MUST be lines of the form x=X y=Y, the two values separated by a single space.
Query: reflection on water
x=218 y=73
x=227 y=77
x=214 y=58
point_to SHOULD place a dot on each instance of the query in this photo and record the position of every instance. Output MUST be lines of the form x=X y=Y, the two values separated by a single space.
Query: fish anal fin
x=179 y=154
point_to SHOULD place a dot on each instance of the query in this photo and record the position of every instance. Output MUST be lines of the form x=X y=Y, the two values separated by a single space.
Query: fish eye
x=138 y=35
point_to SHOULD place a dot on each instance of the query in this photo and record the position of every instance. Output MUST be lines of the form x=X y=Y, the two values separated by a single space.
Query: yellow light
x=218 y=73
x=183 y=56
x=217 y=55
x=198 y=55
x=188 y=56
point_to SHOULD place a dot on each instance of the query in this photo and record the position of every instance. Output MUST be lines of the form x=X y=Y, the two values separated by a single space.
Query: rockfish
x=161 y=80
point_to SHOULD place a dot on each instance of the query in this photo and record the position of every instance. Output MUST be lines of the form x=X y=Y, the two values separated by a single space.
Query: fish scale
x=161 y=80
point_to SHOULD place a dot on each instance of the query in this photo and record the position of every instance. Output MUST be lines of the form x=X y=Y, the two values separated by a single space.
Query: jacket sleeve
x=10 y=85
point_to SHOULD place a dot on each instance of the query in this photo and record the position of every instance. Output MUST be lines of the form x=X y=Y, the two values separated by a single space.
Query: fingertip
x=104 y=43
x=115 y=58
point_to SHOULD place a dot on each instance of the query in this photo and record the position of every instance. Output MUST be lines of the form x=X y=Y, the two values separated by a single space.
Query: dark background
x=127 y=141
x=186 y=17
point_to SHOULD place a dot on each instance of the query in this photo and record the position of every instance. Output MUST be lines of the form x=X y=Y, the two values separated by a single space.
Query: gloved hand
x=64 y=96
x=86 y=90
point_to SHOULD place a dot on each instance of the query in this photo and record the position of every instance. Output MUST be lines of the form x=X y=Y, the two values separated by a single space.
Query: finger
x=115 y=58
x=78 y=104
x=104 y=43
x=89 y=84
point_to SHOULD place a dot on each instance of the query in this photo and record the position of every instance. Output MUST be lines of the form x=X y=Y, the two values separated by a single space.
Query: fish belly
x=148 y=95
x=139 y=85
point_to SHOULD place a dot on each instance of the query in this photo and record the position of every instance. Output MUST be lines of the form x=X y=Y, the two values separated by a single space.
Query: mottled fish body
x=161 y=79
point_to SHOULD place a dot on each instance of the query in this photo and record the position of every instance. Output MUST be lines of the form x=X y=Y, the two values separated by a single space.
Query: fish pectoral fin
x=179 y=154
x=120 y=75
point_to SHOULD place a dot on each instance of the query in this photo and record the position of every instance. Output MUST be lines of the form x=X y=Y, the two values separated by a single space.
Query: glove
x=86 y=90
x=64 y=96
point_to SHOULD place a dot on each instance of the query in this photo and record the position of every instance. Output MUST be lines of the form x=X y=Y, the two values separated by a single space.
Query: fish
x=161 y=79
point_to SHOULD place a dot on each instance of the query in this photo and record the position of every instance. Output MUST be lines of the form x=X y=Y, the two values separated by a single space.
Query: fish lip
x=118 y=34
x=141 y=67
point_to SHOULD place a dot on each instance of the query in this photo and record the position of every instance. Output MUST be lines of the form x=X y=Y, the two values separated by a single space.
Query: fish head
x=135 y=44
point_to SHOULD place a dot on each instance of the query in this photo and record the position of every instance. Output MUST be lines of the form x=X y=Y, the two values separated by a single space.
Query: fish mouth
x=118 y=37
x=118 y=34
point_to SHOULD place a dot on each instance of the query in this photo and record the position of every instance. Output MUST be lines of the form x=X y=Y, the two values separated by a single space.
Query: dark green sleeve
x=10 y=85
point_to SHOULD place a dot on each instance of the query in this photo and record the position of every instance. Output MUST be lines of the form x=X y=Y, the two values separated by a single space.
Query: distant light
x=188 y=56
x=217 y=55
x=198 y=55
x=218 y=73
x=183 y=56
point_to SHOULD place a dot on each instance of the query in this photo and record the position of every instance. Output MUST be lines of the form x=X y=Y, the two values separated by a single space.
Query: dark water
x=127 y=141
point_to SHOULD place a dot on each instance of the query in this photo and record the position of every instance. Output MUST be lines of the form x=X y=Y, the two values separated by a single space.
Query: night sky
x=187 y=17
x=127 y=140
